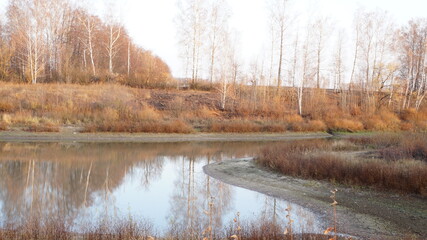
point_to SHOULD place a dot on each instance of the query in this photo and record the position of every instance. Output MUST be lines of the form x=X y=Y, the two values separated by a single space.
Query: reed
x=400 y=163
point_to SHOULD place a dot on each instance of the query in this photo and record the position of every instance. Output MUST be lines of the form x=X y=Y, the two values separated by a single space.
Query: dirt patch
x=361 y=213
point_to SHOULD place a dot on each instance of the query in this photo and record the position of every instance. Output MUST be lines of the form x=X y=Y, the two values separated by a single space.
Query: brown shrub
x=412 y=146
x=375 y=123
x=291 y=159
x=6 y=118
x=347 y=125
x=205 y=113
x=315 y=126
x=234 y=127
x=382 y=121
x=414 y=120
x=6 y=107
x=406 y=126
x=409 y=114
x=3 y=126
x=147 y=113
x=43 y=127
x=273 y=128
x=293 y=118
x=174 y=126
x=110 y=114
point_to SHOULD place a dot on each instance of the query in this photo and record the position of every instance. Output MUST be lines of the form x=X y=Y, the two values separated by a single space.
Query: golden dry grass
x=113 y=107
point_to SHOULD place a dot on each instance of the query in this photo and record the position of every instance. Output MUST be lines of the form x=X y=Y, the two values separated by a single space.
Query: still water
x=162 y=183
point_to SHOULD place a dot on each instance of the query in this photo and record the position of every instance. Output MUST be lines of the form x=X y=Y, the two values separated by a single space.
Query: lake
x=161 y=183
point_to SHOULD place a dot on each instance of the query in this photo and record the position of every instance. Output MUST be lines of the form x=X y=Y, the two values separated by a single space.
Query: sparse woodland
x=61 y=65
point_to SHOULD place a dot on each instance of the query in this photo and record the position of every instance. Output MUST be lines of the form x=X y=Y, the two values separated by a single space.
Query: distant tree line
x=372 y=64
x=57 y=41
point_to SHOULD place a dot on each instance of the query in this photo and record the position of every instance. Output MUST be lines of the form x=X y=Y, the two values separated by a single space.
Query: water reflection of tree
x=199 y=203
x=281 y=213
x=63 y=178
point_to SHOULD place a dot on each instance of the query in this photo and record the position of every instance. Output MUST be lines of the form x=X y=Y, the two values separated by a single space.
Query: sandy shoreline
x=18 y=136
x=361 y=213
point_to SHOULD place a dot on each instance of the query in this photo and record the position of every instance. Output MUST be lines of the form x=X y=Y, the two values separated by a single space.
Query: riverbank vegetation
x=117 y=108
x=396 y=162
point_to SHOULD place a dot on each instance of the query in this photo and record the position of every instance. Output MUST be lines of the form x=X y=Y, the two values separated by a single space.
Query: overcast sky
x=151 y=22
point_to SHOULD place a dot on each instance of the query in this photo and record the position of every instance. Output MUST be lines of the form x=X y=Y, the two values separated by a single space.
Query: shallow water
x=162 y=183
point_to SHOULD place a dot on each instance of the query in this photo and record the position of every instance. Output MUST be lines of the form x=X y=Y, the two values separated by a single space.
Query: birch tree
x=412 y=51
x=278 y=16
x=322 y=30
x=218 y=21
x=339 y=60
x=89 y=24
x=114 y=33
x=26 y=22
x=191 y=23
x=305 y=74
x=357 y=36
x=228 y=67
x=57 y=23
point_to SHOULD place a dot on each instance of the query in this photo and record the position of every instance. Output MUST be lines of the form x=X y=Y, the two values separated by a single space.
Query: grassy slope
x=117 y=108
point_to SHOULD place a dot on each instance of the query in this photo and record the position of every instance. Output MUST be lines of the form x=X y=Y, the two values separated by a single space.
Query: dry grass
x=3 y=126
x=393 y=147
x=129 y=229
x=175 y=126
x=343 y=124
x=58 y=229
x=241 y=126
x=234 y=126
x=398 y=167
x=105 y=107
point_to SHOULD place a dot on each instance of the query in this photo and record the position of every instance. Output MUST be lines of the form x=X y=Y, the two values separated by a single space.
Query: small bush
x=43 y=127
x=274 y=128
x=346 y=125
x=147 y=113
x=6 y=118
x=234 y=127
x=3 y=126
x=174 y=126
x=110 y=114
x=6 y=107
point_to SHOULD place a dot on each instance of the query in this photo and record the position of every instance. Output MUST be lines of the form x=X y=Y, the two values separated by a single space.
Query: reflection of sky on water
x=153 y=202
x=161 y=190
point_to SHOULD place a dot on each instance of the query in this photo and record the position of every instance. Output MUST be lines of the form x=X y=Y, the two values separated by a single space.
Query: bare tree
x=357 y=37
x=218 y=21
x=191 y=23
x=295 y=60
x=27 y=22
x=339 y=61
x=322 y=28
x=114 y=33
x=228 y=70
x=278 y=15
x=58 y=21
x=412 y=51
x=89 y=23
x=305 y=65
x=112 y=47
